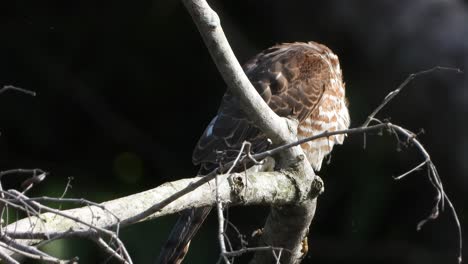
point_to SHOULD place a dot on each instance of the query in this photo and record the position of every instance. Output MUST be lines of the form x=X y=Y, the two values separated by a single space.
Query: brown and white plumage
x=297 y=80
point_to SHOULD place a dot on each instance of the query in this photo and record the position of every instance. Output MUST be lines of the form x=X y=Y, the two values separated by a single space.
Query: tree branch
x=279 y=130
x=263 y=188
x=291 y=192
x=209 y=25
x=18 y=89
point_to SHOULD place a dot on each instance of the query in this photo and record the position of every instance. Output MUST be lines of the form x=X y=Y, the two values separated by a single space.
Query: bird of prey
x=297 y=80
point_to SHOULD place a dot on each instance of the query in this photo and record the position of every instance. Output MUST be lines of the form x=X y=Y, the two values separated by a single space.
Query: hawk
x=297 y=80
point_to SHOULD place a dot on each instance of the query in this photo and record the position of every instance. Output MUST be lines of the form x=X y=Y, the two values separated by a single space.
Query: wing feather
x=289 y=77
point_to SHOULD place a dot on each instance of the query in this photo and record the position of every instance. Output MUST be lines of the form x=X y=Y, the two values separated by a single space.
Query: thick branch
x=266 y=188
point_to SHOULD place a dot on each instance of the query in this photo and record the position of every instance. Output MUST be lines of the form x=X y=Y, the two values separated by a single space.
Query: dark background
x=125 y=88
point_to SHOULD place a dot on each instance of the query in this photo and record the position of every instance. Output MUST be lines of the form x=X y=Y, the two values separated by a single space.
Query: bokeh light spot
x=128 y=167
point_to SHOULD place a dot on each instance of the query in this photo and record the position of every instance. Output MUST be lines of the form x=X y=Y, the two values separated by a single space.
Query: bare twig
x=418 y=167
x=6 y=258
x=44 y=208
x=18 y=89
x=22 y=171
x=357 y=130
x=434 y=178
x=219 y=205
x=253 y=249
x=109 y=250
x=35 y=256
x=433 y=175
x=395 y=92
x=93 y=231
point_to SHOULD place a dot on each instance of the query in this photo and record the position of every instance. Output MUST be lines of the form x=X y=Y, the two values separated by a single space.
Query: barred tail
x=176 y=247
